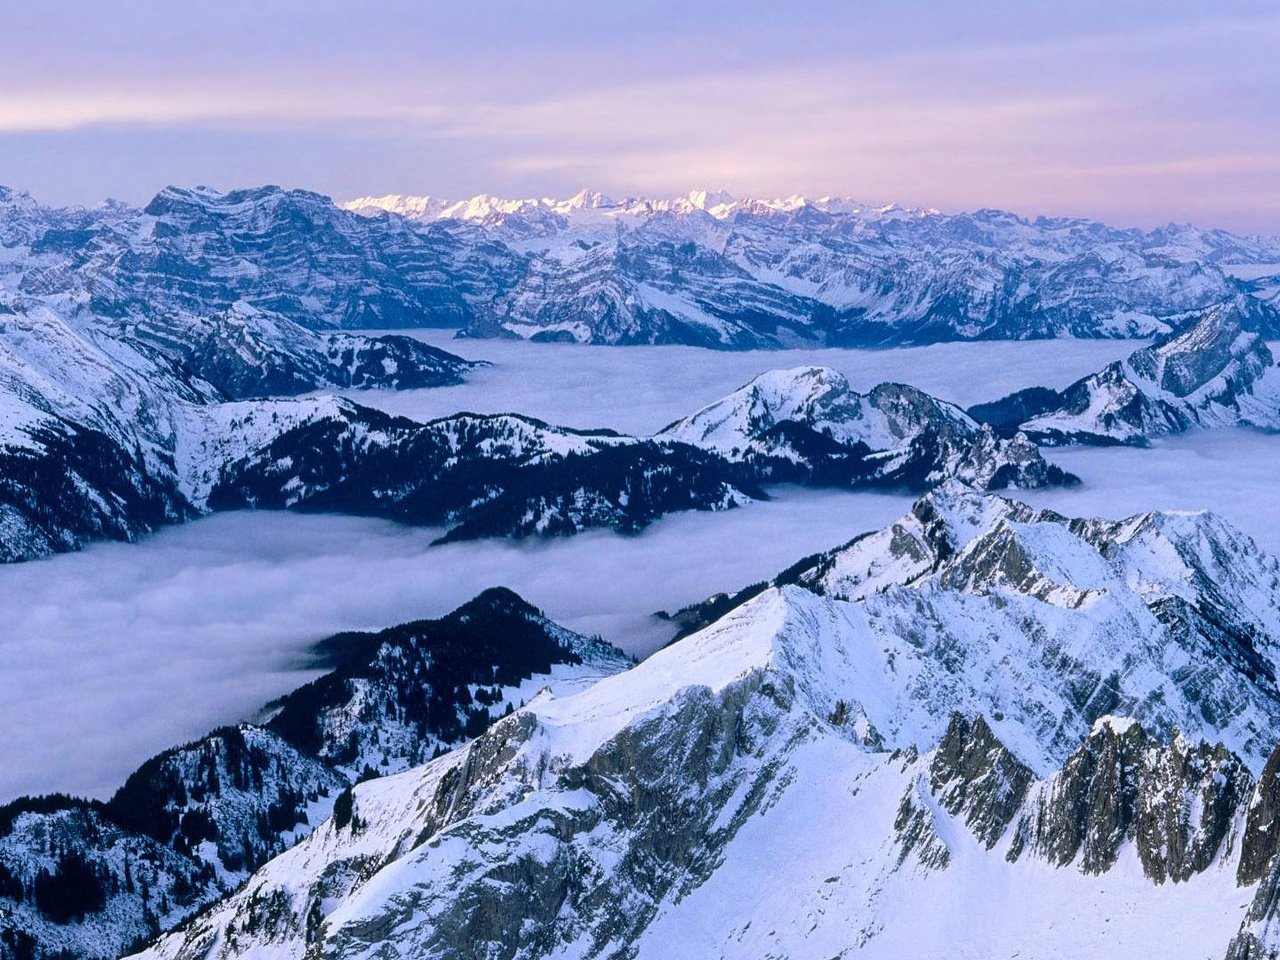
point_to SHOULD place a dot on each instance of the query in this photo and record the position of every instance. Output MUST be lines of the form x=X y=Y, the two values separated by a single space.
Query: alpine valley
x=986 y=729
x=146 y=358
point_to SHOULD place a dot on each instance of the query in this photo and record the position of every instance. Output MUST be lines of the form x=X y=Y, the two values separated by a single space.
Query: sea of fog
x=1234 y=473
x=115 y=653
x=639 y=390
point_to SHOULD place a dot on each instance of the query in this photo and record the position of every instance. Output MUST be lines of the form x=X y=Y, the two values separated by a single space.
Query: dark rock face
x=1175 y=803
x=485 y=475
x=977 y=780
x=1261 y=840
x=1259 y=936
x=1007 y=415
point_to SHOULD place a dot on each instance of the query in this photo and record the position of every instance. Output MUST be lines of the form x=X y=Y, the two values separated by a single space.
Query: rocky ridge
x=1214 y=373
x=731 y=273
x=634 y=816
x=91 y=879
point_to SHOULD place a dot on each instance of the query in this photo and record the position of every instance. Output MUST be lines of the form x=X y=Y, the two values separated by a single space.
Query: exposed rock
x=1261 y=840
x=976 y=779
x=1177 y=804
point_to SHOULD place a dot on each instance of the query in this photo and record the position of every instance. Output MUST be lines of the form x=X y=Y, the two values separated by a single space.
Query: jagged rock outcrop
x=974 y=778
x=1261 y=840
x=1259 y=935
x=1177 y=804
x=94 y=880
x=977 y=780
x=640 y=816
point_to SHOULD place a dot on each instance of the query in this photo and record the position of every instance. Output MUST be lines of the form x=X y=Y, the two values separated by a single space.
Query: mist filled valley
x=157 y=641
x=506 y=481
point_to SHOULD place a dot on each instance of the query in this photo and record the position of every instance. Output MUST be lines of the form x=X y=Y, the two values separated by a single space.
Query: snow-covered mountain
x=807 y=423
x=1213 y=373
x=704 y=269
x=288 y=252
x=144 y=356
x=713 y=270
x=495 y=475
x=99 y=426
x=505 y=475
x=125 y=335
x=404 y=694
x=490 y=475
x=87 y=879
x=1060 y=729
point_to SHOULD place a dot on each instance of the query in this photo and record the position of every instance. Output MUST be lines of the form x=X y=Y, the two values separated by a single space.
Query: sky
x=1130 y=111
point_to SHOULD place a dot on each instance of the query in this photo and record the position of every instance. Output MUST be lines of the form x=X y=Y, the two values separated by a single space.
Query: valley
x=523 y=591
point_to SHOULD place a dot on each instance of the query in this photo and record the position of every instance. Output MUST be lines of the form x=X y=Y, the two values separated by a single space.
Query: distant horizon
x=140 y=201
x=1141 y=113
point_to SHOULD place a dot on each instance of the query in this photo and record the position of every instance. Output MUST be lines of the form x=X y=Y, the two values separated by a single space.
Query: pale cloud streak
x=1140 y=112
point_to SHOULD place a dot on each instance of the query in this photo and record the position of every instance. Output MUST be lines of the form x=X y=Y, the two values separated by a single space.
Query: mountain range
x=718 y=271
x=110 y=432
x=1060 y=729
x=986 y=729
x=1215 y=372
x=702 y=269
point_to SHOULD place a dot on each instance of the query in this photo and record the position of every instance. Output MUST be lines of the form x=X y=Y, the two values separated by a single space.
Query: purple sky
x=1127 y=110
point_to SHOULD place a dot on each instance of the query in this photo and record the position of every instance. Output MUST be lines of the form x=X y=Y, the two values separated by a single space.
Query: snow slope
x=794 y=779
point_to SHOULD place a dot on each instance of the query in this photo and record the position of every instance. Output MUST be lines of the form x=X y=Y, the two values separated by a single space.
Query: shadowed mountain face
x=100 y=448
x=507 y=475
x=990 y=698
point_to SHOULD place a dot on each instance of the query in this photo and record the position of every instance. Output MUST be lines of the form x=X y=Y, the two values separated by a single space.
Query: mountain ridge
x=635 y=817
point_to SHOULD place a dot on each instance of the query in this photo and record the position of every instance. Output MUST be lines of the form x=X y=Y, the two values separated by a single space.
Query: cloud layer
x=115 y=653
